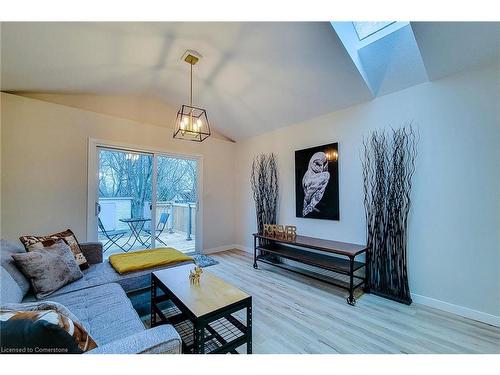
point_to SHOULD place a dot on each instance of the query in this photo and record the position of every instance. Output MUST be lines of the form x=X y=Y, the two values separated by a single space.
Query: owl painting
x=316 y=175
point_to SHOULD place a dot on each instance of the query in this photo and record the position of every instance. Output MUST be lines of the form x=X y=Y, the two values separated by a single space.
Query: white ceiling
x=254 y=77
x=450 y=47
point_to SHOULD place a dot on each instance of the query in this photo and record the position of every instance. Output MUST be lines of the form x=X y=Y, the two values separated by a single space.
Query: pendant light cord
x=191 y=95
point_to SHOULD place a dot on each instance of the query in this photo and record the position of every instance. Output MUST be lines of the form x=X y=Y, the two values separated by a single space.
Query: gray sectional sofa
x=98 y=301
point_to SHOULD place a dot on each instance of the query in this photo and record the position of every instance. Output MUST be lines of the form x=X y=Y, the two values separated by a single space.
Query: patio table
x=136 y=226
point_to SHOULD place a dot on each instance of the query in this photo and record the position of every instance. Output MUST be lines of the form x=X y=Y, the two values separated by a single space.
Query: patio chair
x=112 y=236
x=162 y=224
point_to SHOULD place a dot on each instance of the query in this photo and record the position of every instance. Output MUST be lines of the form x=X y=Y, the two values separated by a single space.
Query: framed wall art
x=317 y=182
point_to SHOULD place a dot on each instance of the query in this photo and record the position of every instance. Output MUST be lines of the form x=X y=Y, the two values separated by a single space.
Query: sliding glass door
x=144 y=200
x=123 y=207
x=176 y=202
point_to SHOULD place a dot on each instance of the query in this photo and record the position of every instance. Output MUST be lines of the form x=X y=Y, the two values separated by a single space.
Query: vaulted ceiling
x=253 y=77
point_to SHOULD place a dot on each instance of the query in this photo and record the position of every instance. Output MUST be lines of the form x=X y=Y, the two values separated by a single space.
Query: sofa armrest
x=162 y=339
x=92 y=251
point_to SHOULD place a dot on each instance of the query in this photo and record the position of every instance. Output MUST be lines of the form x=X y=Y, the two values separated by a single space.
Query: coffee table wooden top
x=211 y=294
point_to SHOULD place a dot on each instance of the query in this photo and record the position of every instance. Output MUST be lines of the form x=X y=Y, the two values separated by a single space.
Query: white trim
x=226 y=248
x=220 y=248
x=154 y=194
x=457 y=310
x=243 y=248
x=142 y=148
x=91 y=189
x=92 y=192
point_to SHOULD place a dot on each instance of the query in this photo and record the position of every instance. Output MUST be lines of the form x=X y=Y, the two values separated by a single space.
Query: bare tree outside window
x=177 y=180
x=122 y=176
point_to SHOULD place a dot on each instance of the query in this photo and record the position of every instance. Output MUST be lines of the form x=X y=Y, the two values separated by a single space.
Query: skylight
x=365 y=29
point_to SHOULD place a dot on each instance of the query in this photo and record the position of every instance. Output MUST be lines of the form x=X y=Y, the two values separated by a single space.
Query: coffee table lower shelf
x=217 y=333
x=220 y=335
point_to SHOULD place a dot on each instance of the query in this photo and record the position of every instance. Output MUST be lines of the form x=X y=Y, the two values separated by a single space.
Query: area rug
x=204 y=260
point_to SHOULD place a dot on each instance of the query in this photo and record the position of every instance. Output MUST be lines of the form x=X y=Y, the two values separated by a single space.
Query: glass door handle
x=97 y=208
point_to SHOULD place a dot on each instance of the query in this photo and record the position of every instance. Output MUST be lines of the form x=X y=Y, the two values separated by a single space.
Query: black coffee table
x=204 y=315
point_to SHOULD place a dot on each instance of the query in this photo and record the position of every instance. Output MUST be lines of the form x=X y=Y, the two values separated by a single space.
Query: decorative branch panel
x=264 y=181
x=388 y=168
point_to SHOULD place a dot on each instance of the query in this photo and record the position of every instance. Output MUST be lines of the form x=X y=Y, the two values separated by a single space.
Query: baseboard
x=456 y=309
x=227 y=247
x=220 y=248
x=243 y=248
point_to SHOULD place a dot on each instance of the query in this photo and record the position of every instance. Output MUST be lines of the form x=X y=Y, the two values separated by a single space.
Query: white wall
x=454 y=236
x=151 y=110
x=455 y=218
x=44 y=167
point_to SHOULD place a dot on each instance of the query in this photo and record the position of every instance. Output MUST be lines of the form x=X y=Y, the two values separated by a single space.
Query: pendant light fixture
x=192 y=122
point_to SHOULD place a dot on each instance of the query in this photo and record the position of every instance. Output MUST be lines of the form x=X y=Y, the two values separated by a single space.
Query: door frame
x=93 y=177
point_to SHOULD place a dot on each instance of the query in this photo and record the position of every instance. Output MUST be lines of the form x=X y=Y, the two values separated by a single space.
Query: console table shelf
x=328 y=262
x=338 y=257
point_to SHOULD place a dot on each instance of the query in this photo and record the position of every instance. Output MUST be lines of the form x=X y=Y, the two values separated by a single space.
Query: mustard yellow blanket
x=144 y=259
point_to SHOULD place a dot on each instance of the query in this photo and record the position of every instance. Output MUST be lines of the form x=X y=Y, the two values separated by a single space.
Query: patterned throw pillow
x=48 y=268
x=36 y=242
x=42 y=305
x=80 y=336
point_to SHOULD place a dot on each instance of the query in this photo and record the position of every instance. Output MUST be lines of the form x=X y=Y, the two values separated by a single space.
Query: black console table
x=333 y=256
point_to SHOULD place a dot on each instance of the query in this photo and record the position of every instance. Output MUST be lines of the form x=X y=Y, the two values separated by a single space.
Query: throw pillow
x=36 y=242
x=42 y=305
x=49 y=268
x=47 y=331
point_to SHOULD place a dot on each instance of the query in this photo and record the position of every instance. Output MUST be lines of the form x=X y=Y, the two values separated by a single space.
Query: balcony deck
x=176 y=240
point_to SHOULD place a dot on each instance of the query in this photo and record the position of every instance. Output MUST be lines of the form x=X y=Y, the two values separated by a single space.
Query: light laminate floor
x=295 y=314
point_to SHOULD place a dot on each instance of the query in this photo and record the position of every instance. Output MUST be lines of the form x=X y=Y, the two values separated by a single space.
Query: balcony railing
x=182 y=216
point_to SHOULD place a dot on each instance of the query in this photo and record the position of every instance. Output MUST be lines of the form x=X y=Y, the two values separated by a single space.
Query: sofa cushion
x=8 y=248
x=49 y=268
x=162 y=339
x=104 y=273
x=105 y=311
x=36 y=242
x=10 y=292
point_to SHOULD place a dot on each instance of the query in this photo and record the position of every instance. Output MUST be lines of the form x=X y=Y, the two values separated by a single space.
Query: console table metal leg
x=351 y=300
x=249 y=328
